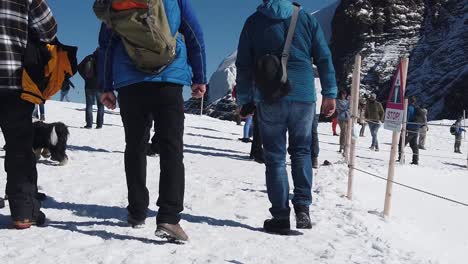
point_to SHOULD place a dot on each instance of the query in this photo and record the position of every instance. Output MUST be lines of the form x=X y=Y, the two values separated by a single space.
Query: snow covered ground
x=226 y=204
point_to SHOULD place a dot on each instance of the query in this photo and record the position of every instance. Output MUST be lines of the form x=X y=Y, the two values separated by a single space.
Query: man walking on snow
x=264 y=33
x=18 y=20
x=142 y=95
x=412 y=132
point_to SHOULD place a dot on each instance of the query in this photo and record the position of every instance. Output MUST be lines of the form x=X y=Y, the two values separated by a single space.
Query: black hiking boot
x=38 y=220
x=134 y=222
x=302 y=217
x=171 y=232
x=277 y=226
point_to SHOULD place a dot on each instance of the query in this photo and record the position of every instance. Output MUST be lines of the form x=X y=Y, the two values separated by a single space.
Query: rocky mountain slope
x=433 y=33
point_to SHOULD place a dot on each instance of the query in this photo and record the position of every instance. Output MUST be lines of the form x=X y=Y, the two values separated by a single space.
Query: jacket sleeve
x=193 y=34
x=322 y=57
x=41 y=21
x=107 y=41
x=245 y=65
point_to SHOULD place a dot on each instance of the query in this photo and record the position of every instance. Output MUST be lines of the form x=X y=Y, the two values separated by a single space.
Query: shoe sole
x=169 y=236
x=309 y=226
x=282 y=232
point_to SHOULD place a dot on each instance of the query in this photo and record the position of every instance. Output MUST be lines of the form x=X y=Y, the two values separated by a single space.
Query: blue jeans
x=91 y=97
x=374 y=129
x=275 y=120
x=248 y=129
x=315 y=148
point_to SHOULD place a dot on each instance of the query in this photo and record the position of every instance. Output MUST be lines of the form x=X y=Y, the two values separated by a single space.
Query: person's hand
x=198 y=90
x=109 y=100
x=328 y=106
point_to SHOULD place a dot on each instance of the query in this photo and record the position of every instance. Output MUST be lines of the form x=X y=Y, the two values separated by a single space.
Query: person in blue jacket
x=264 y=33
x=412 y=132
x=141 y=95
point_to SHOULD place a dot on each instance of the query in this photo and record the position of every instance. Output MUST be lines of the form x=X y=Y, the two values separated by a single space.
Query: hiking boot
x=134 y=222
x=315 y=163
x=336 y=134
x=372 y=148
x=88 y=127
x=376 y=150
x=277 y=226
x=302 y=217
x=245 y=140
x=98 y=127
x=171 y=232
x=414 y=163
x=27 y=223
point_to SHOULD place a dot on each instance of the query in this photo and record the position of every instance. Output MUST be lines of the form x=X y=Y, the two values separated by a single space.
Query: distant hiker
x=151 y=84
x=66 y=88
x=362 y=116
x=342 y=108
x=423 y=130
x=88 y=70
x=374 y=115
x=20 y=21
x=285 y=100
x=335 y=124
x=457 y=130
x=248 y=130
x=39 y=112
x=412 y=132
x=315 y=147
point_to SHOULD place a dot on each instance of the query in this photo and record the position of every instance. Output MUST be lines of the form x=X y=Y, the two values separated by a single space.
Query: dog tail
x=53 y=137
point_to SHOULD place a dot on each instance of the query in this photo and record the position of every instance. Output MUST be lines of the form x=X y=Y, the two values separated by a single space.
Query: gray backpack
x=143 y=27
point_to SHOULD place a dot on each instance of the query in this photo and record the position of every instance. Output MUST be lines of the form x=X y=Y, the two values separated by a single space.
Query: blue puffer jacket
x=265 y=32
x=116 y=69
x=411 y=116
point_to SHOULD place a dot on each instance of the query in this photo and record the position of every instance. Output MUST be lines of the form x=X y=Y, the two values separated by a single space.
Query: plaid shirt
x=18 y=18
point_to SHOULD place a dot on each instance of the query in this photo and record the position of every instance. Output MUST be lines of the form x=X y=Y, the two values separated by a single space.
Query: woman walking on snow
x=342 y=107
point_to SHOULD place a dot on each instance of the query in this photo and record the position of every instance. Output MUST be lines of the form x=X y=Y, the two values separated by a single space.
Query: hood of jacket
x=276 y=9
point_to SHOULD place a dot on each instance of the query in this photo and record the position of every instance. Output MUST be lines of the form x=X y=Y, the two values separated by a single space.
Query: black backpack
x=271 y=77
x=453 y=129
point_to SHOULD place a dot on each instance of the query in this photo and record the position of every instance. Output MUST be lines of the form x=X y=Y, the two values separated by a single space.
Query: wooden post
x=395 y=138
x=353 y=120
x=201 y=105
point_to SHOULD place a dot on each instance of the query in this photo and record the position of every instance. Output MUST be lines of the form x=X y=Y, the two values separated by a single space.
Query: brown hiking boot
x=171 y=232
x=27 y=223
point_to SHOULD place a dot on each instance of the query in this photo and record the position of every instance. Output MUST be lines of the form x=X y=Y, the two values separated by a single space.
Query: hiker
x=342 y=108
x=457 y=130
x=362 y=116
x=142 y=94
x=248 y=130
x=284 y=105
x=374 y=115
x=423 y=130
x=412 y=132
x=315 y=147
x=66 y=88
x=32 y=18
x=335 y=124
x=93 y=90
x=39 y=112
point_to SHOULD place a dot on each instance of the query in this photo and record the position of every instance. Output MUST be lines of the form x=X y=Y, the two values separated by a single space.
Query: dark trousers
x=165 y=103
x=91 y=97
x=315 y=148
x=256 y=149
x=412 y=140
x=20 y=162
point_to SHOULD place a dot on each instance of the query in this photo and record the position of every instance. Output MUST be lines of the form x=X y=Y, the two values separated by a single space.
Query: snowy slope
x=226 y=204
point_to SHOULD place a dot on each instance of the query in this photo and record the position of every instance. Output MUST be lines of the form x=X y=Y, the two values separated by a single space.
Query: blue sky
x=222 y=22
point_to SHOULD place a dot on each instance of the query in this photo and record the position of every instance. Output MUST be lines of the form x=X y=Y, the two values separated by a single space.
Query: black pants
x=20 y=162
x=412 y=139
x=165 y=103
x=256 y=149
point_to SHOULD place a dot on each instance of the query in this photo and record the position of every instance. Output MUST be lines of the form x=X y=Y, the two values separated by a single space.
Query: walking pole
x=391 y=167
x=201 y=105
x=354 y=112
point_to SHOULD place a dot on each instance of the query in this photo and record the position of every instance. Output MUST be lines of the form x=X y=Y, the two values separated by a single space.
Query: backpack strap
x=288 y=44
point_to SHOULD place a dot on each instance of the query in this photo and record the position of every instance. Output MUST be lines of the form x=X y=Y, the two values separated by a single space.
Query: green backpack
x=143 y=27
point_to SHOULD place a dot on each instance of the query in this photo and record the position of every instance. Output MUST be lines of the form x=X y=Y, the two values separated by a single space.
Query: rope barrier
x=413 y=188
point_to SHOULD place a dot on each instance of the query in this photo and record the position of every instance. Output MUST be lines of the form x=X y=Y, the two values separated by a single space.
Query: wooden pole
x=353 y=120
x=201 y=105
x=396 y=136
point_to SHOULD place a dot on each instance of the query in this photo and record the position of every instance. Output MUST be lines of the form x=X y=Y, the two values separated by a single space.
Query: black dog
x=50 y=140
